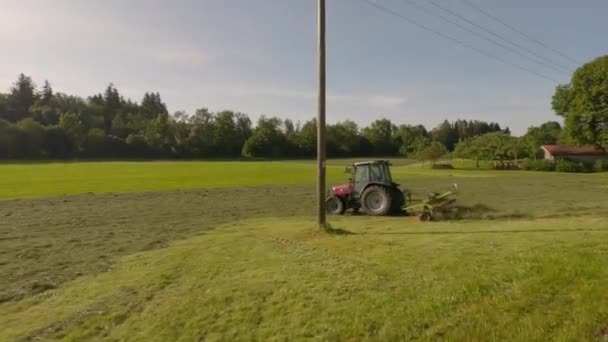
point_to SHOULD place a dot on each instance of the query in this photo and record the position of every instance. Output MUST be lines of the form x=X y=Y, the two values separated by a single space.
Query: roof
x=370 y=162
x=588 y=150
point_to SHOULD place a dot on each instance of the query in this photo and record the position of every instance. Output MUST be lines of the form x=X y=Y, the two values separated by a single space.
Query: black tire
x=376 y=200
x=398 y=200
x=335 y=205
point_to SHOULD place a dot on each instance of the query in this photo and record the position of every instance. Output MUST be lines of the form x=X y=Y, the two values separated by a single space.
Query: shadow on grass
x=336 y=231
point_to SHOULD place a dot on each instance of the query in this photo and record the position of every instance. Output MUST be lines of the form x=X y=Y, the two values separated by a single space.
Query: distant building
x=587 y=154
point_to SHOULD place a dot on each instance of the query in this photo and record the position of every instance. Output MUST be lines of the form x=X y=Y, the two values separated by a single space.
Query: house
x=586 y=154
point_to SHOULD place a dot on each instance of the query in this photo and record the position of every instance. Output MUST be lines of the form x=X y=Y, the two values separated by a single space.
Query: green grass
x=56 y=179
x=51 y=179
x=391 y=279
x=209 y=250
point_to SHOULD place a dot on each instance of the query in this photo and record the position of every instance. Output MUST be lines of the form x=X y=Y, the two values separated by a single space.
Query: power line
x=443 y=8
x=523 y=34
x=446 y=19
x=468 y=46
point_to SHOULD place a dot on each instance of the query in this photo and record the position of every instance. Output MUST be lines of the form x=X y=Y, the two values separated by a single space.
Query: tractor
x=370 y=188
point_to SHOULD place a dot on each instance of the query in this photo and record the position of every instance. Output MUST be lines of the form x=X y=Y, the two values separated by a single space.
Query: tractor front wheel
x=376 y=201
x=335 y=205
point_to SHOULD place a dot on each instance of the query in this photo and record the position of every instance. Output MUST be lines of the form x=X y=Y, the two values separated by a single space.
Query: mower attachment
x=435 y=202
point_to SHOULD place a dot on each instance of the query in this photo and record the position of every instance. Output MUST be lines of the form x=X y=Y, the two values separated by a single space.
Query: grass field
x=226 y=251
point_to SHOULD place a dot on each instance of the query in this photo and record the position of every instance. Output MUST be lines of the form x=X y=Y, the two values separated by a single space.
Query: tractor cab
x=364 y=173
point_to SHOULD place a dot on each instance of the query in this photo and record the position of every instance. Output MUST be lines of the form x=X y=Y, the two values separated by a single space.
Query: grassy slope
x=393 y=279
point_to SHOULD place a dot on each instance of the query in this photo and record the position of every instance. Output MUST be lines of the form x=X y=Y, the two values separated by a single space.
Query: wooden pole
x=321 y=117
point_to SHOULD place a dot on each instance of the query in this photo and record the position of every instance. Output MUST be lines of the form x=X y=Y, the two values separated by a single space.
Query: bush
x=442 y=167
x=601 y=165
x=567 y=165
x=539 y=165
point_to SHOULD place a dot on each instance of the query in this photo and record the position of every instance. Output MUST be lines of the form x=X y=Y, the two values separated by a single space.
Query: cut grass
x=392 y=279
x=46 y=242
x=95 y=266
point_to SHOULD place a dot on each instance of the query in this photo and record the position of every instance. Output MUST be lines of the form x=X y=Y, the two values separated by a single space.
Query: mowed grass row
x=385 y=279
x=56 y=179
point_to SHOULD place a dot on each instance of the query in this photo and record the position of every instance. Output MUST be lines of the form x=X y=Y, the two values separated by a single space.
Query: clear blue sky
x=259 y=57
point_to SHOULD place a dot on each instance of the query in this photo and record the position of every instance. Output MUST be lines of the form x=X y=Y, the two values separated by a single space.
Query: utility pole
x=321 y=117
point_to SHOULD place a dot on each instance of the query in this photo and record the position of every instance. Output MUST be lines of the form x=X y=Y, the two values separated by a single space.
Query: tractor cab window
x=362 y=174
x=380 y=173
x=361 y=178
x=376 y=172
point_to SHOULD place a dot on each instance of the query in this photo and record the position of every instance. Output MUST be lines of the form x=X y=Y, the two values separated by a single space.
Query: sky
x=259 y=56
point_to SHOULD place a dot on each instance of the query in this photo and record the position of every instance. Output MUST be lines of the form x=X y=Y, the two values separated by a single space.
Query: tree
x=11 y=141
x=111 y=103
x=267 y=140
x=120 y=125
x=431 y=152
x=343 y=139
x=226 y=137
x=518 y=148
x=410 y=137
x=159 y=134
x=58 y=143
x=46 y=95
x=21 y=98
x=200 y=139
x=243 y=127
x=152 y=105
x=547 y=133
x=498 y=147
x=34 y=138
x=307 y=140
x=446 y=134
x=73 y=128
x=381 y=134
x=584 y=104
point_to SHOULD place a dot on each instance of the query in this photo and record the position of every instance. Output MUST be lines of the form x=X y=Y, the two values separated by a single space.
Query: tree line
x=41 y=123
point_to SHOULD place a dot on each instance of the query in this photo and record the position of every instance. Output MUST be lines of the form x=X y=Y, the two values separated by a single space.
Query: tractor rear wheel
x=376 y=200
x=335 y=205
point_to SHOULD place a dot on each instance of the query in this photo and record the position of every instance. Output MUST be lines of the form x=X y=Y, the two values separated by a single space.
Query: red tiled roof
x=588 y=150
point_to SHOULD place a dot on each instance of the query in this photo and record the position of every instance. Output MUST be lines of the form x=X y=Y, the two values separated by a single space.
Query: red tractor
x=370 y=188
